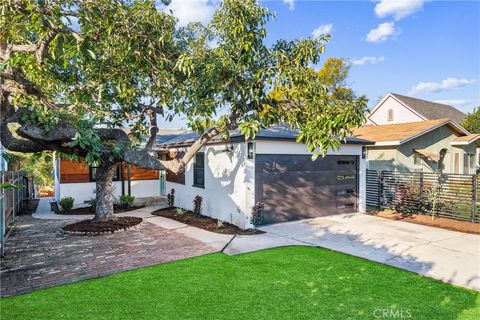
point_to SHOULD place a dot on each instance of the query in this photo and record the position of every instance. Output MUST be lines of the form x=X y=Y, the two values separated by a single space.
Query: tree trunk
x=104 y=187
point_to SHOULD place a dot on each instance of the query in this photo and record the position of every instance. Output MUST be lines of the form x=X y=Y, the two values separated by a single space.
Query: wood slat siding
x=137 y=173
x=412 y=192
x=78 y=171
x=73 y=171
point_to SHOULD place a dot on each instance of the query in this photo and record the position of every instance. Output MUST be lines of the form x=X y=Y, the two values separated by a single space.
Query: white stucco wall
x=228 y=188
x=401 y=114
x=84 y=191
x=229 y=192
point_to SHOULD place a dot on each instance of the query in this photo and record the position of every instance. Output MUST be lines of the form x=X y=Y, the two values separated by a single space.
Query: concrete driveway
x=445 y=255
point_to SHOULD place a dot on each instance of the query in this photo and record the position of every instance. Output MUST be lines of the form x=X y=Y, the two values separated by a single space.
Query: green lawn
x=284 y=283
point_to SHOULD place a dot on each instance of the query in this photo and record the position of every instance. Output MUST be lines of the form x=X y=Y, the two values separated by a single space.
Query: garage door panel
x=304 y=163
x=295 y=187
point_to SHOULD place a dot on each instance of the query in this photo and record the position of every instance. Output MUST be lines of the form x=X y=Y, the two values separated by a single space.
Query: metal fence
x=12 y=199
x=454 y=196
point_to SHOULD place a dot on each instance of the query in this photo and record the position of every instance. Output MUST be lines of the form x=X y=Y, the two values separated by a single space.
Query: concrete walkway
x=449 y=256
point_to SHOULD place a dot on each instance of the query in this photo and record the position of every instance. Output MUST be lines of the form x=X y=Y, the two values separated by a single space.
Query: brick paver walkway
x=38 y=255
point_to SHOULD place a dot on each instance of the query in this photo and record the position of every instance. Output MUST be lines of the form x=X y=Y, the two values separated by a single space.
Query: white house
x=232 y=176
x=395 y=108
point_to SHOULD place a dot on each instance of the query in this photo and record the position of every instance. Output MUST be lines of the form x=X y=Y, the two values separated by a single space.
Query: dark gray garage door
x=294 y=187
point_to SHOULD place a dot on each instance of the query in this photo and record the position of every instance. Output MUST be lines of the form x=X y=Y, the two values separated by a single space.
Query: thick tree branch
x=142 y=159
x=17 y=144
x=153 y=131
x=63 y=132
x=178 y=165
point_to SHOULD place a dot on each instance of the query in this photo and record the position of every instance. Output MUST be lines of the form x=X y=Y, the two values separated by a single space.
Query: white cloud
x=367 y=59
x=192 y=10
x=323 y=29
x=290 y=3
x=398 y=8
x=446 y=85
x=454 y=102
x=382 y=32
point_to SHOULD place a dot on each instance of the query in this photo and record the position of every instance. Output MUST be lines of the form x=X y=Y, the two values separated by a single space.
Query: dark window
x=93 y=174
x=199 y=171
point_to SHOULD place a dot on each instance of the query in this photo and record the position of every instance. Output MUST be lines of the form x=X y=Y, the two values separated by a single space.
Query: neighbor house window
x=390 y=115
x=471 y=160
x=468 y=163
x=199 y=171
x=93 y=174
x=456 y=163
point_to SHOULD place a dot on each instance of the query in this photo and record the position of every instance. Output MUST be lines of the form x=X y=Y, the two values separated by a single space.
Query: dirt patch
x=204 y=222
x=89 y=210
x=444 y=223
x=88 y=227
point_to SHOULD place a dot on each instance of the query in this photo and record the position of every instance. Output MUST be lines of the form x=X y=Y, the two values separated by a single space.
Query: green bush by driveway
x=282 y=283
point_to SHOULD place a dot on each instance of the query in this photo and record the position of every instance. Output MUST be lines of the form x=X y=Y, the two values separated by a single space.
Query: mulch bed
x=204 y=222
x=29 y=206
x=90 y=211
x=88 y=227
x=444 y=223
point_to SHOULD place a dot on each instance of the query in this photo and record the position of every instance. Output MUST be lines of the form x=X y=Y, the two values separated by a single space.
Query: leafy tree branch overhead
x=72 y=87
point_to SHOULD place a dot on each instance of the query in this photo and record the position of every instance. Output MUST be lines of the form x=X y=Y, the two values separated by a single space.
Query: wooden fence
x=454 y=196
x=12 y=199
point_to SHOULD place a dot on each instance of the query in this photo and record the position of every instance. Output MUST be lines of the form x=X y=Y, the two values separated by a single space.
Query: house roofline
x=399 y=142
x=390 y=94
x=240 y=138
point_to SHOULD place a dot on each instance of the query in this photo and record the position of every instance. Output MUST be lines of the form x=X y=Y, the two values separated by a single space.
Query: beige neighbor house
x=411 y=134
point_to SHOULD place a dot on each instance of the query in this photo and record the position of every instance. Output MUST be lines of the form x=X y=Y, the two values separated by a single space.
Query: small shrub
x=93 y=203
x=257 y=213
x=219 y=223
x=197 y=204
x=66 y=203
x=180 y=211
x=171 y=198
x=126 y=200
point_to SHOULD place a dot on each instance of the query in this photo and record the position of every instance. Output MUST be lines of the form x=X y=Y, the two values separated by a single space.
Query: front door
x=163 y=186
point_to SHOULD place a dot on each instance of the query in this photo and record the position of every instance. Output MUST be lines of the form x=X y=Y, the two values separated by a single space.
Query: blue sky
x=426 y=49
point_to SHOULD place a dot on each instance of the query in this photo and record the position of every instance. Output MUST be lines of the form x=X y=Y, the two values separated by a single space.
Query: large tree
x=74 y=72
x=472 y=121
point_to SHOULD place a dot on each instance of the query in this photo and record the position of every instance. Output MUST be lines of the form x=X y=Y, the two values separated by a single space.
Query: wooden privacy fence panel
x=446 y=195
x=11 y=200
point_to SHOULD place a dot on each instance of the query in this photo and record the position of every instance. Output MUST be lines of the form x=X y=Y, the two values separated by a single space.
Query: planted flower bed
x=88 y=227
x=203 y=222
x=90 y=210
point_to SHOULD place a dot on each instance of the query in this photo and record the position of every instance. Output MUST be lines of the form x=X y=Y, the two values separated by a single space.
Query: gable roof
x=396 y=134
x=432 y=110
x=276 y=133
x=466 y=140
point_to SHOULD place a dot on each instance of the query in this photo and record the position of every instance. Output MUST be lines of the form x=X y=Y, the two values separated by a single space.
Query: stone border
x=86 y=233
